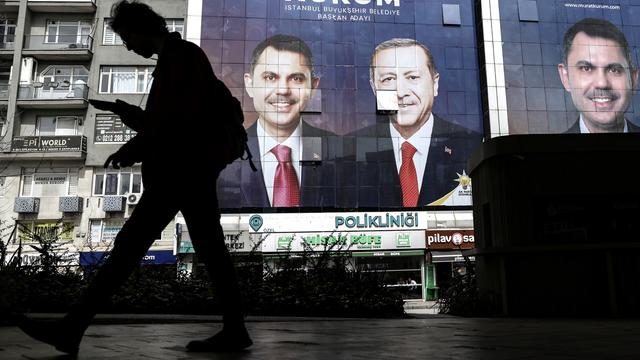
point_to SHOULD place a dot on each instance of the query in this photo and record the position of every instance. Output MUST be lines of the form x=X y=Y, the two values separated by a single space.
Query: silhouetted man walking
x=176 y=135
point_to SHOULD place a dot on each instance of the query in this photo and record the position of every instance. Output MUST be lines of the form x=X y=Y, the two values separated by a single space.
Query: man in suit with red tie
x=281 y=82
x=598 y=71
x=418 y=156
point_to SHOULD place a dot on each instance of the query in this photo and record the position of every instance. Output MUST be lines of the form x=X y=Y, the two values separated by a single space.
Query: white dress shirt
x=585 y=130
x=420 y=140
x=268 y=160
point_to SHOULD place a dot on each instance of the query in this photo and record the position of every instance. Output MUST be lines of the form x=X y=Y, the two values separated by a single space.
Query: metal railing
x=58 y=42
x=62 y=90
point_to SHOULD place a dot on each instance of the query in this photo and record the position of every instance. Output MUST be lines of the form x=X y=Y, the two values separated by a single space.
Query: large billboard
x=571 y=66
x=349 y=104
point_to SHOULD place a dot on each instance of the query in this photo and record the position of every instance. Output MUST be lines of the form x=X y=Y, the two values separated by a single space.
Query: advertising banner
x=109 y=129
x=570 y=66
x=48 y=143
x=338 y=222
x=349 y=104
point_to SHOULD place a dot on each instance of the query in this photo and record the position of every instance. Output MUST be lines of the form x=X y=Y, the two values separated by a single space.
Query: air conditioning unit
x=133 y=199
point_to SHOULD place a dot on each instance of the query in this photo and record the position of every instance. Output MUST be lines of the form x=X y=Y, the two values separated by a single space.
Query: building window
x=7 y=33
x=5 y=76
x=109 y=37
x=49 y=182
x=175 y=25
x=68 y=32
x=62 y=81
x=115 y=182
x=125 y=79
x=53 y=126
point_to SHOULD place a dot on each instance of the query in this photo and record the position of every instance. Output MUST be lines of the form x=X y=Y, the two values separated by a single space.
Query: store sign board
x=348 y=241
x=48 y=143
x=109 y=129
x=450 y=239
x=338 y=222
x=239 y=242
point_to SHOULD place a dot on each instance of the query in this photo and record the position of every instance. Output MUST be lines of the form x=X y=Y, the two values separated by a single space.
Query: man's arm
x=128 y=154
x=131 y=115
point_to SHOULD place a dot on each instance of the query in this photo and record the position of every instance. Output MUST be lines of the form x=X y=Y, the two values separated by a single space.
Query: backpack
x=235 y=143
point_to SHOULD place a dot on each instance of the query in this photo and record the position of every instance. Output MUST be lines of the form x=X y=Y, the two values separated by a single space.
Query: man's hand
x=130 y=115
x=120 y=158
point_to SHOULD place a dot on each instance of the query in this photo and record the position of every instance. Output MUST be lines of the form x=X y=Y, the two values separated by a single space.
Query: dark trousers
x=158 y=205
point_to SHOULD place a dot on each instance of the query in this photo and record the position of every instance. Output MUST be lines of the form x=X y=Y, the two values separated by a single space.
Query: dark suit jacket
x=377 y=182
x=239 y=186
x=575 y=128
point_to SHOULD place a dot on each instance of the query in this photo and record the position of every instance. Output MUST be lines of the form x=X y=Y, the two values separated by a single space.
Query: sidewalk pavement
x=282 y=338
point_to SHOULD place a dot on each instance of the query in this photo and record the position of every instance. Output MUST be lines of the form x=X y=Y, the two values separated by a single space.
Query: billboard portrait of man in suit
x=281 y=82
x=419 y=158
x=597 y=71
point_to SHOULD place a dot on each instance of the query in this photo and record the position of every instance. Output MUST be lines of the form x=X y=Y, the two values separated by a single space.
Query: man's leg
x=208 y=241
x=149 y=218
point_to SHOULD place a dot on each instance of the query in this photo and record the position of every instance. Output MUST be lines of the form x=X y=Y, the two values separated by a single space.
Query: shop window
x=125 y=79
x=32 y=231
x=49 y=183
x=104 y=230
x=115 y=182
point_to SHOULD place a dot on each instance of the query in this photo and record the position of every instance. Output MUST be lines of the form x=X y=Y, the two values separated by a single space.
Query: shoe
x=224 y=341
x=60 y=334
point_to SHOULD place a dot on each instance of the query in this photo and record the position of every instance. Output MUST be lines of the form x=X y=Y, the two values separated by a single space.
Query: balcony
x=49 y=147
x=53 y=95
x=57 y=48
x=63 y=6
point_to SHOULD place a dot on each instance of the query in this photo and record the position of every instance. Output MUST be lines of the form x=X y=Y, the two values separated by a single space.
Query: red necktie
x=408 y=178
x=285 y=183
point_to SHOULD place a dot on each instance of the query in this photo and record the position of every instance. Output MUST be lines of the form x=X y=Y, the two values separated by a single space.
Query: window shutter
x=27 y=182
x=109 y=36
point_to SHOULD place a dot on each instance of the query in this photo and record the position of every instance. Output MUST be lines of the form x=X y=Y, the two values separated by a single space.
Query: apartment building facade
x=54 y=56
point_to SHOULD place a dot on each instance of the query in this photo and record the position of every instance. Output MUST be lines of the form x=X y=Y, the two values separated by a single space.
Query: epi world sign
x=450 y=239
x=351 y=241
x=338 y=222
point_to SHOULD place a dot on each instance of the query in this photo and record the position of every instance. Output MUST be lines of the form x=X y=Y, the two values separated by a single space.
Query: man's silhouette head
x=598 y=72
x=138 y=25
x=280 y=82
